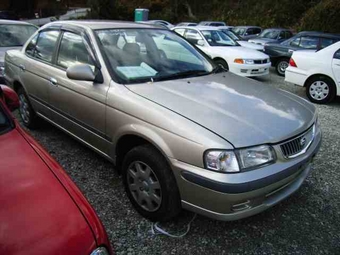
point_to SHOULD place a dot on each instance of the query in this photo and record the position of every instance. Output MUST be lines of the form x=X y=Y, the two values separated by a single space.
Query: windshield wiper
x=185 y=74
x=219 y=69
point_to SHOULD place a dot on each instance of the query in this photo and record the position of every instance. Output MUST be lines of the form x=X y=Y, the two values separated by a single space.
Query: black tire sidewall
x=32 y=123
x=278 y=64
x=331 y=86
x=171 y=203
x=223 y=63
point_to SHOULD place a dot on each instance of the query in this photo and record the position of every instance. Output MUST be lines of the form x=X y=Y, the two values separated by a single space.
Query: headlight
x=100 y=251
x=244 y=61
x=2 y=69
x=234 y=161
x=256 y=156
x=223 y=161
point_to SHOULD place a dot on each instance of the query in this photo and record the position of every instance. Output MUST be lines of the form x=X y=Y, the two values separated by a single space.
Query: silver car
x=13 y=35
x=183 y=132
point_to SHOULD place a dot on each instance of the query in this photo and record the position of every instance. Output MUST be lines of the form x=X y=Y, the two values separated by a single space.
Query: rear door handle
x=22 y=67
x=53 y=81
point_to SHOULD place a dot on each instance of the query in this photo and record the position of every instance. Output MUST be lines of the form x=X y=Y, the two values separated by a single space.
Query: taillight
x=292 y=62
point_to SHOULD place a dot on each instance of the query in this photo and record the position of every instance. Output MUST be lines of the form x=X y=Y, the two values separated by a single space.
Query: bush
x=322 y=17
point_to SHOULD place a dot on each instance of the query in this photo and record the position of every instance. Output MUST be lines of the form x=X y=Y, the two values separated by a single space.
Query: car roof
x=247 y=27
x=211 y=21
x=319 y=34
x=273 y=28
x=101 y=24
x=13 y=22
x=198 y=28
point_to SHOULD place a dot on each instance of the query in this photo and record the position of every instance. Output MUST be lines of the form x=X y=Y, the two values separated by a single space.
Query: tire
x=320 y=89
x=281 y=66
x=27 y=114
x=223 y=63
x=153 y=192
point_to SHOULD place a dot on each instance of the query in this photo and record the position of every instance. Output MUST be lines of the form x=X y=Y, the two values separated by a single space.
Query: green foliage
x=320 y=15
x=325 y=16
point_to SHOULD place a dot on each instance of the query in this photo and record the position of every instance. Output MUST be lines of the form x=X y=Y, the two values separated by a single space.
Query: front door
x=79 y=106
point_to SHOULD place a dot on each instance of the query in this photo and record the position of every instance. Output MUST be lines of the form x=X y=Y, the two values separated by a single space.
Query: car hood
x=37 y=214
x=262 y=40
x=239 y=52
x=3 y=52
x=250 y=45
x=242 y=111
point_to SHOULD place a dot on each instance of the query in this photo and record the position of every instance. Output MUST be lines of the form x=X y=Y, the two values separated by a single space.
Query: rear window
x=325 y=42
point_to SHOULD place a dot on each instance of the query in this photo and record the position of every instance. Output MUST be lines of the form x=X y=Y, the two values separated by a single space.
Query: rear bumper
x=295 y=76
x=250 y=70
x=230 y=197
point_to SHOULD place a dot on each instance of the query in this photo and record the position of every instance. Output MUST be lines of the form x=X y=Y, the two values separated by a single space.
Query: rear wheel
x=281 y=66
x=150 y=184
x=222 y=63
x=27 y=114
x=320 y=90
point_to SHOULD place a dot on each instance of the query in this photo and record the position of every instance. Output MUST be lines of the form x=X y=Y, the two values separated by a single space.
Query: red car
x=41 y=210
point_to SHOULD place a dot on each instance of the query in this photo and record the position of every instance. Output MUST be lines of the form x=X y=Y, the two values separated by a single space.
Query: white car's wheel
x=320 y=90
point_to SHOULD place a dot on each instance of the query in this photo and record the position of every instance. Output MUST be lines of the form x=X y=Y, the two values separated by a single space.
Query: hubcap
x=319 y=90
x=283 y=66
x=24 y=108
x=144 y=186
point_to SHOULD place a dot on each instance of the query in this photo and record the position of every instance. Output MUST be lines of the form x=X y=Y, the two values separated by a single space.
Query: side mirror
x=10 y=98
x=200 y=42
x=80 y=72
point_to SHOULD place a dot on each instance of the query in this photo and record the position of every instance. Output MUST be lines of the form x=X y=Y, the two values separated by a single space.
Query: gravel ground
x=306 y=223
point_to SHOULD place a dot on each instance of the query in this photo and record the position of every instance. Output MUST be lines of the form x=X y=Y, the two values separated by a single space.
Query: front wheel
x=281 y=66
x=222 y=63
x=150 y=184
x=320 y=90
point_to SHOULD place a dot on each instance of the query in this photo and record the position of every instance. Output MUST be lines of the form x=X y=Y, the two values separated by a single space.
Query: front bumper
x=250 y=70
x=230 y=197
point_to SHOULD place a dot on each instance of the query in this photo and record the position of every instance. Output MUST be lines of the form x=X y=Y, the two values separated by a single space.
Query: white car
x=227 y=30
x=318 y=71
x=227 y=52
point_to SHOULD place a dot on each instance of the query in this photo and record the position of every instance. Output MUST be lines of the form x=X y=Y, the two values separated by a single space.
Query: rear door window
x=73 y=51
x=288 y=34
x=45 y=47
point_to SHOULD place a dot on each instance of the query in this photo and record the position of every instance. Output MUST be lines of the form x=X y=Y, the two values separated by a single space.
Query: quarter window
x=193 y=36
x=325 y=42
x=73 y=51
x=46 y=44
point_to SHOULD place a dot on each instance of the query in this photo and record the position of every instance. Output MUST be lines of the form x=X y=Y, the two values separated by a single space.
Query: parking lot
x=306 y=223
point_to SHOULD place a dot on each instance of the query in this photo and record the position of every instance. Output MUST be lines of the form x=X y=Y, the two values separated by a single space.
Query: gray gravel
x=306 y=223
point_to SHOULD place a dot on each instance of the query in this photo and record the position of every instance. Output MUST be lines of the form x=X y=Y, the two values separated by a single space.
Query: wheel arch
x=320 y=75
x=130 y=139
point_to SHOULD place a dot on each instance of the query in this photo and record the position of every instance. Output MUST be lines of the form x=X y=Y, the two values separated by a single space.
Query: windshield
x=270 y=34
x=143 y=55
x=239 y=30
x=218 y=38
x=15 y=35
x=231 y=34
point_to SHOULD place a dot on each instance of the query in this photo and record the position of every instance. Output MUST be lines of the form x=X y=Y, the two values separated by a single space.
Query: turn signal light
x=239 y=61
x=292 y=62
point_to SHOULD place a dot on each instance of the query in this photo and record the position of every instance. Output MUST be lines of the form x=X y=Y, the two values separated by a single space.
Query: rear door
x=79 y=106
x=336 y=67
x=35 y=69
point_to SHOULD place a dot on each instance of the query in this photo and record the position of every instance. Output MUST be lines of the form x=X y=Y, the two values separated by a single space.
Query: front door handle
x=53 y=81
x=290 y=51
x=22 y=67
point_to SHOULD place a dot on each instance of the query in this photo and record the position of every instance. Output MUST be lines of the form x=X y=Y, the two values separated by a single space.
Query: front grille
x=298 y=145
x=261 y=61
